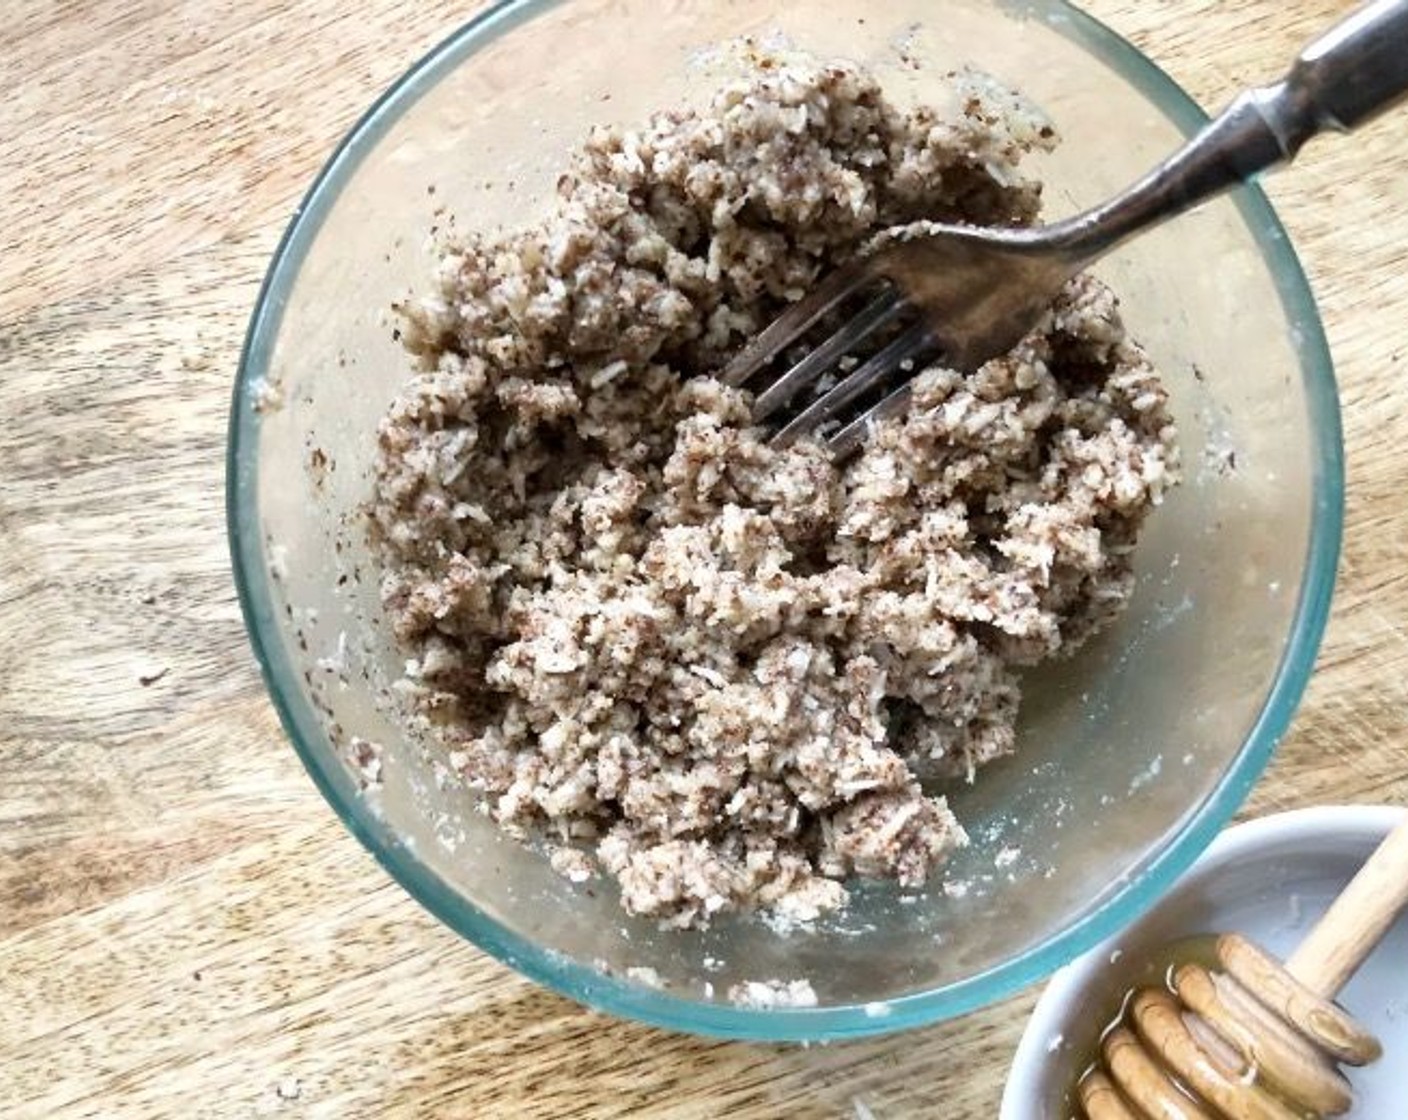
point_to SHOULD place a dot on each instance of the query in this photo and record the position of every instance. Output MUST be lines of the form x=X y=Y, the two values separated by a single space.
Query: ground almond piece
x=719 y=671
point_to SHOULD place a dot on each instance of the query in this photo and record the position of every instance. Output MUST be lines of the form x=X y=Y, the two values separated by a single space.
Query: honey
x=1129 y=1069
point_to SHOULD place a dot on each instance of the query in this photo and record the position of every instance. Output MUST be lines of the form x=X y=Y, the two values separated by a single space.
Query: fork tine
x=881 y=310
x=853 y=434
x=787 y=327
x=907 y=346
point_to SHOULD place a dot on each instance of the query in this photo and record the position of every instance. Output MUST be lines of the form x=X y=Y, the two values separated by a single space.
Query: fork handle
x=1351 y=73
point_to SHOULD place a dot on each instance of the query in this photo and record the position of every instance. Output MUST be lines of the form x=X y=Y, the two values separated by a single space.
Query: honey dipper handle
x=1357 y=920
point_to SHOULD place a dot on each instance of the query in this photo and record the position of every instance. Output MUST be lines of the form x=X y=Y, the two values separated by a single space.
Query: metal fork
x=972 y=293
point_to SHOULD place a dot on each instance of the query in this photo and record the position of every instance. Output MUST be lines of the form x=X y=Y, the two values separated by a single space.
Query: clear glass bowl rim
x=618 y=997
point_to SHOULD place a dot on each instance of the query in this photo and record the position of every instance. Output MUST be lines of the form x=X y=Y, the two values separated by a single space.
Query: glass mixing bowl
x=1131 y=756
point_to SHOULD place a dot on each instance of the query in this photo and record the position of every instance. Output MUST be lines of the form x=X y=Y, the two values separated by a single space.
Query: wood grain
x=185 y=929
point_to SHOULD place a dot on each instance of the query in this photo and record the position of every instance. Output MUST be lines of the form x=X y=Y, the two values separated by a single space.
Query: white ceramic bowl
x=1270 y=879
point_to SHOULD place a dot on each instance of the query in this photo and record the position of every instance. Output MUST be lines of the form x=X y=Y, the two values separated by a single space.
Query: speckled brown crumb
x=732 y=676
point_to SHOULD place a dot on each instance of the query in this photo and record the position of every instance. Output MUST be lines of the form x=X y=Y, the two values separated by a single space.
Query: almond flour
x=727 y=675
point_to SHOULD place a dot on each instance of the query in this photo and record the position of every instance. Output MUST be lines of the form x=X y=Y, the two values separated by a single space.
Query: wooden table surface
x=185 y=927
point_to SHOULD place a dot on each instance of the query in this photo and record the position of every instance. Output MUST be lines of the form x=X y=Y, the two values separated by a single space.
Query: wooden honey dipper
x=1258 y=1040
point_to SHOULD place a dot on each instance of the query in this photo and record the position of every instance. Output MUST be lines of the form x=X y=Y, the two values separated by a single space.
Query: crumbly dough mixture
x=732 y=676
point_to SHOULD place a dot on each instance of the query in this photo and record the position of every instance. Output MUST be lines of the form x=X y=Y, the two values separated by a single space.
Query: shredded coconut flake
x=737 y=675
x=766 y=995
